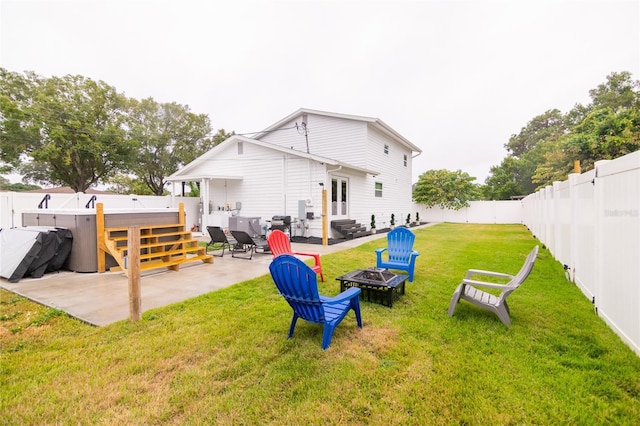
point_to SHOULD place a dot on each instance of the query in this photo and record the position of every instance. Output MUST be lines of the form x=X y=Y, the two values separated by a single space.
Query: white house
x=362 y=163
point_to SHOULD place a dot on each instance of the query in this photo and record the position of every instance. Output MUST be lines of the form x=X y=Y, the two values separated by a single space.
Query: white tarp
x=18 y=249
x=33 y=251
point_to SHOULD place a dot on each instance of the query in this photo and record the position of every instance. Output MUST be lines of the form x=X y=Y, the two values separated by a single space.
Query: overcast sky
x=456 y=78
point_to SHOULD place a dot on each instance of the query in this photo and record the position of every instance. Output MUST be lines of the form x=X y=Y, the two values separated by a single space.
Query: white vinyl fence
x=13 y=204
x=591 y=224
x=478 y=212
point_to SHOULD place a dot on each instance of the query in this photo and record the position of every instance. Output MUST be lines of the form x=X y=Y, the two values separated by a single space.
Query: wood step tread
x=158 y=263
x=151 y=236
x=194 y=244
x=145 y=227
x=171 y=253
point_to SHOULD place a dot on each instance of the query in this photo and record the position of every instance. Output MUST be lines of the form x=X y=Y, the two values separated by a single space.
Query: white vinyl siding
x=394 y=177
x=270 y=182
x=261 y=187
x=340 y=139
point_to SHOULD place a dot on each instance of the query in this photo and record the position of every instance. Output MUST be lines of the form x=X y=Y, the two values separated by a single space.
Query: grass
x=223 y=358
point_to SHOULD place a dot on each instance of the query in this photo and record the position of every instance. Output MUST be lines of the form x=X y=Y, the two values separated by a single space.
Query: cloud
x=457 y=78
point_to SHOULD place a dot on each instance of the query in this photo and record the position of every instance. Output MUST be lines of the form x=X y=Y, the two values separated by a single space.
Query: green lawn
x=224 y=357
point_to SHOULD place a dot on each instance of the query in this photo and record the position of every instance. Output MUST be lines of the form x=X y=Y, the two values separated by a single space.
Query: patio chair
x=279 y=244
x=246 y=244
x=218 y=240
x=400 y=253
x=298 y=284
x=468 y=290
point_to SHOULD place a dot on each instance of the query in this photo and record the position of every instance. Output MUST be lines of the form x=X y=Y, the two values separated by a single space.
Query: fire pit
x=377 y=285
x=375 y=275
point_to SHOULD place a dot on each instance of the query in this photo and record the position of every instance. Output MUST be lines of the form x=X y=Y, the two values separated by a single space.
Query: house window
x=240 y=148
x=386 y=148
x=405 y=160
x=378 y=189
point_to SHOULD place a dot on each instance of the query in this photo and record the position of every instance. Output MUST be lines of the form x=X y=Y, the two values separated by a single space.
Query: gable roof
x=376 y=123
x=184 y=173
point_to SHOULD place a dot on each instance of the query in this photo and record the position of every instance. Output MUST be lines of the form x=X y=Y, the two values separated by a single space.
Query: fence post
x=599 y=204
x=573 y=224
x=547 y=217
x=557 y=220
x=133 y=254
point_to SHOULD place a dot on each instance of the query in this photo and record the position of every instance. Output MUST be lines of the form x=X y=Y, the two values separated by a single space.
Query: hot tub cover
x=32 y=251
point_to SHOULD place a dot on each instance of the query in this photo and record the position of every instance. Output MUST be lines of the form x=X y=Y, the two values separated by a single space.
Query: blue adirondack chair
x=400 y=252
x=297 y=282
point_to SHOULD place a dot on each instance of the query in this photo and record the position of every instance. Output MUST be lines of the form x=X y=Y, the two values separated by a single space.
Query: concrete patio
x=103 y=298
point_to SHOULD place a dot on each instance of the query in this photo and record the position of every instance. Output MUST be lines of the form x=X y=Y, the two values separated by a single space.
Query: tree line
x=77 y=132
x=548 y=147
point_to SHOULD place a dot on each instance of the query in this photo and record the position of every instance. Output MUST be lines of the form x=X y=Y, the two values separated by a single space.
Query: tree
x=18 y=124
x=69 y=128
x=513 y=176
x=546 y=148
x=123 y=184
x=619 y=91
x=166 y=136
x=544 y=127
x=194 y=189
x=602 y=135
x=15 y=187
x=20 y=187
x=506 y=180
x=187 y=153
x=608 y=128
x=445 y=189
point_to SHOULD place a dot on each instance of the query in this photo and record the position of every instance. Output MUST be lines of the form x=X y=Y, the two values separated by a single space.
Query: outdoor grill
x=282 y=223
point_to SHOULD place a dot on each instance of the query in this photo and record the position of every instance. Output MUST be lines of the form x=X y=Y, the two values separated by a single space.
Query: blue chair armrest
x=412 y=258
x=379 y=255
x=348 y=294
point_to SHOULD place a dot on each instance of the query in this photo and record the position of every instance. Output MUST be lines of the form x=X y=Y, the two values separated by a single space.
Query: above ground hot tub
x=82 y=224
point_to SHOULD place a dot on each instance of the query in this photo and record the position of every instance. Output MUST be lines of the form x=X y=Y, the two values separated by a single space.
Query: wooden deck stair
x=161 y=245
x=349 y=228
